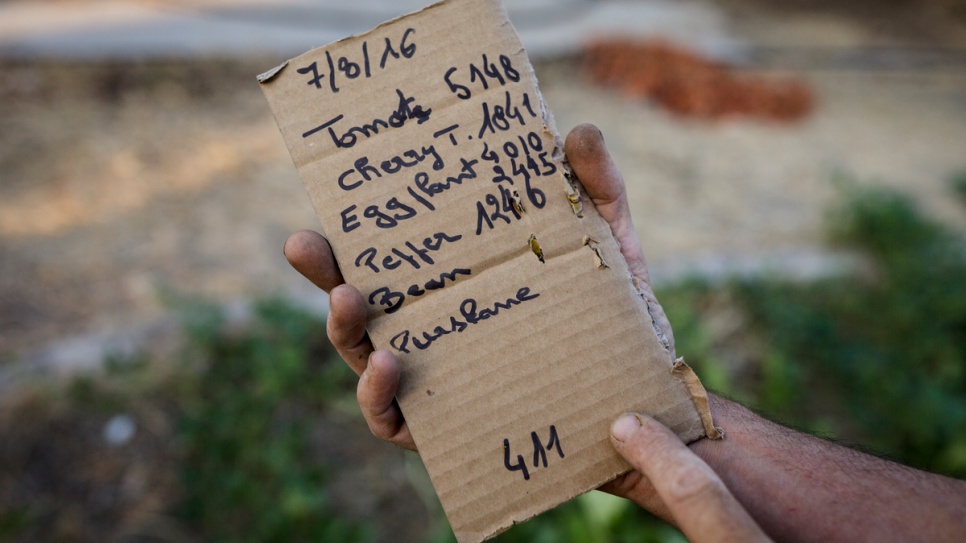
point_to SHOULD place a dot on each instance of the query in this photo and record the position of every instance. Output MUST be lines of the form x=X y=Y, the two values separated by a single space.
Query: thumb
x=696 y=497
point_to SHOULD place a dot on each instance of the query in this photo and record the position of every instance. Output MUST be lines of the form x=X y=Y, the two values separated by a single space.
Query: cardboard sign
x=440 y=182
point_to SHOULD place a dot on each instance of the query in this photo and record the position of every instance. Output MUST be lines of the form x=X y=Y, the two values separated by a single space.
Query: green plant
x=248 y=471
x=878 y=356
x=13 y=523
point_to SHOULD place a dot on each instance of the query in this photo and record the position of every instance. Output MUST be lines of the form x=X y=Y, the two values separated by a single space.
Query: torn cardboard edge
x=648 y=300
x=599 y=261
x=267 y=76
x=699 y=395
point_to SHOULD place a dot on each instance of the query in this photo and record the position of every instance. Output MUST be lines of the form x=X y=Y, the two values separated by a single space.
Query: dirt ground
x=120 y=181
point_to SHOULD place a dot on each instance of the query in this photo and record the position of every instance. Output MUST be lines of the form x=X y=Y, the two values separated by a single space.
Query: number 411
x=539 y=453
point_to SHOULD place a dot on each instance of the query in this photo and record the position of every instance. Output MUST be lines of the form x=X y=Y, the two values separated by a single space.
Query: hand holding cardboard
x=309 y=253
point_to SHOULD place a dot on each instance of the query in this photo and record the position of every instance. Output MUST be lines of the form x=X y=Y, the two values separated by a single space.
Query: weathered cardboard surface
x=575 y=345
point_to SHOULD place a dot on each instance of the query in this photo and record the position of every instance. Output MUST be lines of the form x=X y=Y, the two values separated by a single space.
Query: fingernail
x=624 y=426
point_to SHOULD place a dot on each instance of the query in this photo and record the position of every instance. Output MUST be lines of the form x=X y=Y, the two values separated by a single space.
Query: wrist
x=734 y=420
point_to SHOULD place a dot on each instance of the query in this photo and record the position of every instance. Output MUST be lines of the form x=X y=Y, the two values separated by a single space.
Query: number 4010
x=539 y=453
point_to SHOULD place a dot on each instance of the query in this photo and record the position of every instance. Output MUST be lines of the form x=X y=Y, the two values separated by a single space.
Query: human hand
x=310 y=254
x=675 y=484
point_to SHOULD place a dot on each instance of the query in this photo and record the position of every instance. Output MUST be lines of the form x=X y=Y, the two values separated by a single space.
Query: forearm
x=801 y=488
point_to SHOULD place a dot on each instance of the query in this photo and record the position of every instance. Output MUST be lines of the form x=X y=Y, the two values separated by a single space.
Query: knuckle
x=340 y=334
x=336 y=334
x=379 y=430
x=380 y=423
x=377 y=427
x=625 y=484
x=364 y=397
x=401 y=441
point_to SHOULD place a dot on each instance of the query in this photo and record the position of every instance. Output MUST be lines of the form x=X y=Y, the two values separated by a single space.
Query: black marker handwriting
x=469 y=315
x=405 y=111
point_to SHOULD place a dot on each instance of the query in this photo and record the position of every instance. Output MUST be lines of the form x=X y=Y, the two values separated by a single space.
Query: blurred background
x=796 y=171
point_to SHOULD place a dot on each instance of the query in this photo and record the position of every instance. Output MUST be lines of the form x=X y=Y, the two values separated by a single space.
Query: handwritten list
x=440 y=181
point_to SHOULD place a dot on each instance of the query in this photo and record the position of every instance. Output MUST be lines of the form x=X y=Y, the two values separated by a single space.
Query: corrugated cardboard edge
x=267 y=76
x=682 y=372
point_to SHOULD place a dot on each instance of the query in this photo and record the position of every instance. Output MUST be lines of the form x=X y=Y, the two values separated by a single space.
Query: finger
x=698 y=500
x=594 y=167
x=346 y=327
x=636 y=487
x=376 y=394
x=309 y=253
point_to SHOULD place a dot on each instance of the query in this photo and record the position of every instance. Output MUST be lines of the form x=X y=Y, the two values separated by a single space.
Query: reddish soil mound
x=692 y=86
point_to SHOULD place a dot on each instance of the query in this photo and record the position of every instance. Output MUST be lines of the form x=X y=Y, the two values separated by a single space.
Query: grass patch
x=248 y=472
x=877 y=357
